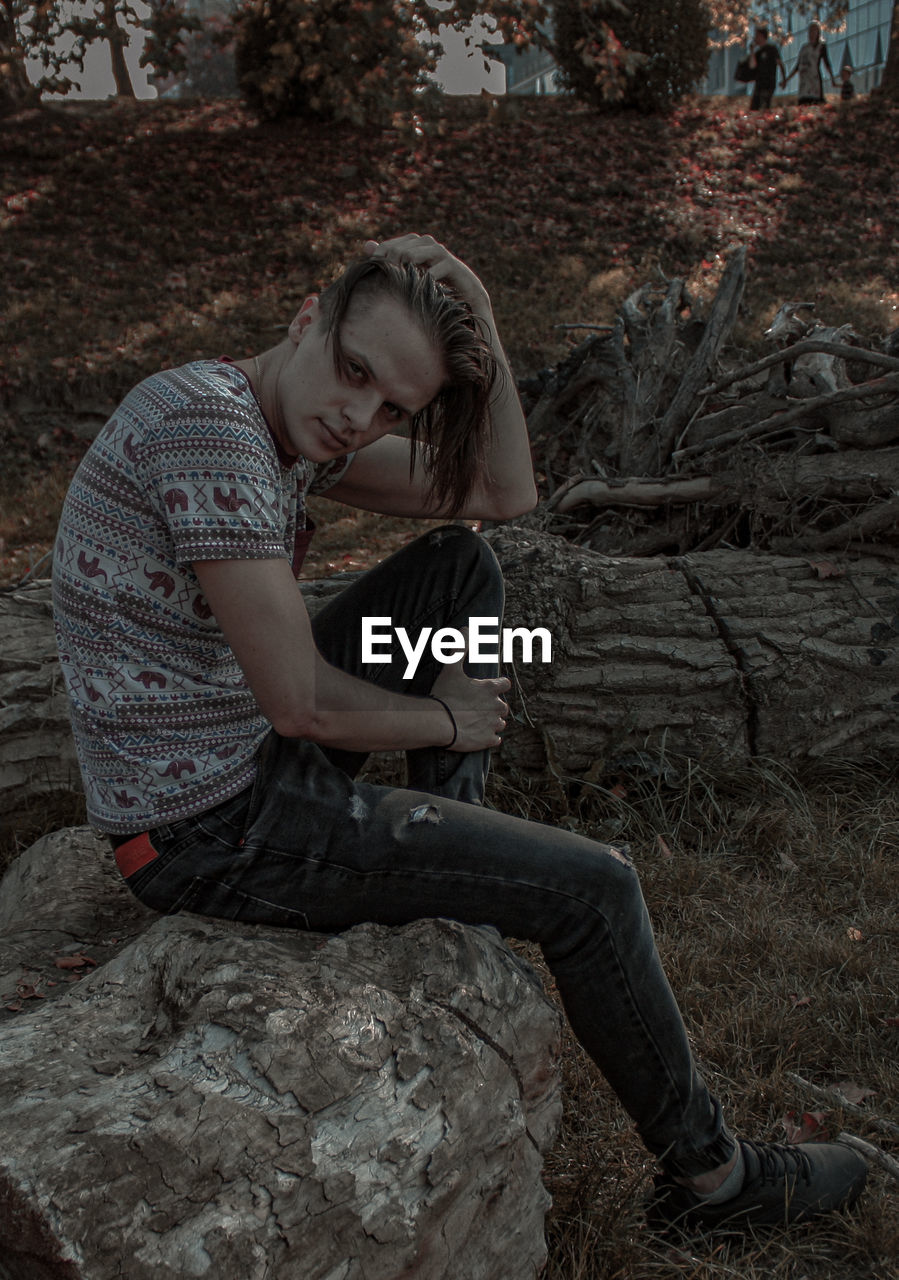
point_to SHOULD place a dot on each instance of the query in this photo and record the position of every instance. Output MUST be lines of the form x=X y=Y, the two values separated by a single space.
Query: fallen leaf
x=826 y=569
x=803 y=1127
x=664 y=848
x=800 y=1002
x=27 y=992
x=77 y=961
x=853 y=934
x=854 y=1093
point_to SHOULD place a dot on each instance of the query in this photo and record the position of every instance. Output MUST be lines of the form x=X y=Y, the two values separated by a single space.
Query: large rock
x=249 y=1103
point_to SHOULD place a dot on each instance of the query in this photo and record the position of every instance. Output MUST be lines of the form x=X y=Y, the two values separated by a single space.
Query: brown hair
x=455 y=426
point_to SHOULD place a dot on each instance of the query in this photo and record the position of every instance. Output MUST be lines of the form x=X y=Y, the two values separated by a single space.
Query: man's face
x=389 y=371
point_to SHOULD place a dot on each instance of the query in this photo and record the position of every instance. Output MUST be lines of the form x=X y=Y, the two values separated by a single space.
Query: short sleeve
x=213 y=475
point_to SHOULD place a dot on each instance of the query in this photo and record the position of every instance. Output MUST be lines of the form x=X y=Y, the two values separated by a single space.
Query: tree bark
x=222 y=1100
x=37 y=755
x=718 y=657
x=16 y=91
x=117 y=38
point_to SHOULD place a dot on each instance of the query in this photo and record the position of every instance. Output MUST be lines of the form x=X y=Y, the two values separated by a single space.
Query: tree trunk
x=37 y=755
x=719 y=657
x=16 y=91
x=234 y=1101
x=117 y=38
x=889 y=85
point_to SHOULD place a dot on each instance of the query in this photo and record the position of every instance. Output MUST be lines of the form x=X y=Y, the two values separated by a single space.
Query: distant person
x=847 y=88
x=764 y=60
x=808 y=65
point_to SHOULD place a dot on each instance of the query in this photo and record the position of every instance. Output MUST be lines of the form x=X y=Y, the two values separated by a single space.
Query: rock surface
x=248 y=1103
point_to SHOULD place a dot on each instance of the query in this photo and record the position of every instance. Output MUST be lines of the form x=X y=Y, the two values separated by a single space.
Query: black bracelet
x=452 y=741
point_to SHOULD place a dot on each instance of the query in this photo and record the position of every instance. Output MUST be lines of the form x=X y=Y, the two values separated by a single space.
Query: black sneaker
x=783 y=1184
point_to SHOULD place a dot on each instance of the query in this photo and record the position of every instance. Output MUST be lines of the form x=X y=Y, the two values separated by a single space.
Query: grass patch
x=773 y=903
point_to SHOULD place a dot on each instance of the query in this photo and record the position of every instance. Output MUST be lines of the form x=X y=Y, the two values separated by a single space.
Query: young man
x=220 y=731
x=764 y=60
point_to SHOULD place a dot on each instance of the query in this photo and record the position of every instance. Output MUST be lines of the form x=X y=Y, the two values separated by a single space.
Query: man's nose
x=360 y=410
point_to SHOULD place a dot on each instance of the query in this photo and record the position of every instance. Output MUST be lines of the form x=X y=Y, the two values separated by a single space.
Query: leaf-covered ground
x=134 y=236
x=143 y=235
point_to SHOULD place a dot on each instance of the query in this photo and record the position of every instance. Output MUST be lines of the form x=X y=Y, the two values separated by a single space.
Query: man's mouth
x=339 y=442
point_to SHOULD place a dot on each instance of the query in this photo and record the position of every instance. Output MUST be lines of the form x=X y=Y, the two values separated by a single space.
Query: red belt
x=134 y=854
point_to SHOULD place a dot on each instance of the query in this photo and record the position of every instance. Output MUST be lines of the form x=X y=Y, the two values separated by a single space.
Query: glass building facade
x=861 y=43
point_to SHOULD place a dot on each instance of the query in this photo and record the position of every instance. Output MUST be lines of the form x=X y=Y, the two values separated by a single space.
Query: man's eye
x=394 y=413
x=355 y=369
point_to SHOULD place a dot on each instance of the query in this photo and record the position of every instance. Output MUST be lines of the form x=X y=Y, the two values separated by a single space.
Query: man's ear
x=308 y=314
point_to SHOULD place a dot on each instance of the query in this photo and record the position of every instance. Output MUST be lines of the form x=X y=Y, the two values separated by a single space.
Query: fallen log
x=720 y=656
x=37 y=755
x=851 y=475
x=231 y=1101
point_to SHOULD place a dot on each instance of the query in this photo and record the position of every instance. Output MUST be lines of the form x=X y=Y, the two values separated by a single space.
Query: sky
x=459 y=71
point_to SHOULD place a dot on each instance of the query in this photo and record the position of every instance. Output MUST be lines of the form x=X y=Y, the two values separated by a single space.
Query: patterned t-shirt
x=186 y=469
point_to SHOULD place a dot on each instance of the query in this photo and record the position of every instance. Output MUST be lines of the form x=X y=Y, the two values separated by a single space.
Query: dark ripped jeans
x=309 y=847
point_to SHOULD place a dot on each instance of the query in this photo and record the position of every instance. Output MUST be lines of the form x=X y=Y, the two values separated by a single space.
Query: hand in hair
x=425 y=251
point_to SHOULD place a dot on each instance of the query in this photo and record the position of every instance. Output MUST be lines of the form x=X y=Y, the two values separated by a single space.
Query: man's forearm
x=355 y=715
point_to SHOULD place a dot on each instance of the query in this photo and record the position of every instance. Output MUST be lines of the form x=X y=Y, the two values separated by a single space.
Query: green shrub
x=647 y=56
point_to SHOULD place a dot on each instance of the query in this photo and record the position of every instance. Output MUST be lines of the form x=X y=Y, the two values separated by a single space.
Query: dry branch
x=820 y=406
x=836 y=1098
x=717 y=330
x=809 y=347
x=872 y=1153
x=674 y=460
x=637 y=493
